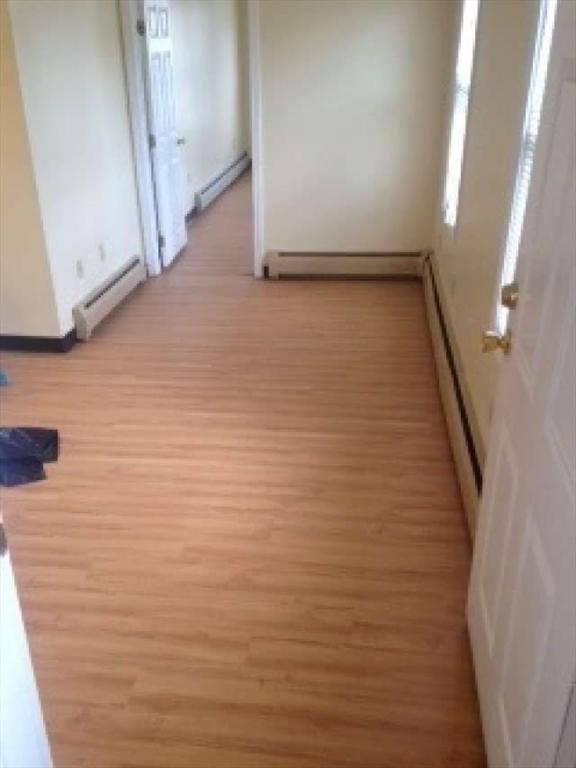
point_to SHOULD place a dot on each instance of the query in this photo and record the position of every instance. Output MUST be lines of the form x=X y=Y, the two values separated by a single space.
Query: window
x=528 y=145
x=463 y=81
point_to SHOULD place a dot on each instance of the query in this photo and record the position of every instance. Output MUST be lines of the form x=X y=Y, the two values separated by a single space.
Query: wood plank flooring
x=252 y=552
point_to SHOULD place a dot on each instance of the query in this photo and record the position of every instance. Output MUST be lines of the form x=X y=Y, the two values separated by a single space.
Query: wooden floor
x=252 y=552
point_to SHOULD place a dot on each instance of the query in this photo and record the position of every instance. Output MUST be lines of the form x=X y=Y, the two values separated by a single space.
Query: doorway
x=192 y=109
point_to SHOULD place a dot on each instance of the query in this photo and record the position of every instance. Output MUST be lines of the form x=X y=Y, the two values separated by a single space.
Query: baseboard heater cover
x=221 y=182
x=468 y=455
x=280 y=264
x=102 y=300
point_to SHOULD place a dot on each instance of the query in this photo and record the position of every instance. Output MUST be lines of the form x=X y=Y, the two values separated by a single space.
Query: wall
x=72 y=79
x=27 y=303
x=469 y=257
x=211 y=82
x=353 y=102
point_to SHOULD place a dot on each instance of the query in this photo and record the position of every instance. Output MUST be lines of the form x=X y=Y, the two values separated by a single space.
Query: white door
x=23 y=742
x=166 y=164
x=522 y=598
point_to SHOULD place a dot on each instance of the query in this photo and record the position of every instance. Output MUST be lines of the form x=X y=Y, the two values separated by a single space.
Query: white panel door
x=522 y=598
x=166 y=163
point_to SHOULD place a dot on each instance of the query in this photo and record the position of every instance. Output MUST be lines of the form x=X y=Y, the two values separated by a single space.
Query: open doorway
x=187 y=69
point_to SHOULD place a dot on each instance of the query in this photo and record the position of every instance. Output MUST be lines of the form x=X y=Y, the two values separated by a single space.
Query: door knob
x=491 y=341
x=509 y=295
x=181 y=141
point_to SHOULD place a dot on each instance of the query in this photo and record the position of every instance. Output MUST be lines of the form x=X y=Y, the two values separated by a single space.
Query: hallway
x=255 y=556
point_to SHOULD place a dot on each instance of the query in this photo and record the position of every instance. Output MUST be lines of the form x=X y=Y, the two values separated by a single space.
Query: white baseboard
x=467 y=447
x=216 y=186
x=347 y=264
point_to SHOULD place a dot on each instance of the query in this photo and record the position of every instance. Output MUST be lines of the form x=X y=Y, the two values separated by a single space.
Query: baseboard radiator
x=465 y=439
x=215 y=187
x=283 y=264
x=102 y=300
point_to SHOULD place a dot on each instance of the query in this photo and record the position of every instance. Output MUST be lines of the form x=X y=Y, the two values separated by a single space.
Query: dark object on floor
x=21 y=442
x=21 y=471
x=23 y=451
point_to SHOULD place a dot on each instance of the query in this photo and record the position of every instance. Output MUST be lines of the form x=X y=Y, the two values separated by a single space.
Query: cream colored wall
x=353 y=102
x=72 y=79
x=244 y=72
x=210 y=78
x=27 y=304
x=469 y=257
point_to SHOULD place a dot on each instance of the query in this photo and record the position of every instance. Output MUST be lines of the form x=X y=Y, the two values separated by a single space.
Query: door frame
x=255 y=86
x=131 y=12
x=25 y=741
x=133 y=44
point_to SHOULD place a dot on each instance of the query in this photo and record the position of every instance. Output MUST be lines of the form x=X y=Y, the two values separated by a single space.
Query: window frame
x=526 y=148
x=450 y=225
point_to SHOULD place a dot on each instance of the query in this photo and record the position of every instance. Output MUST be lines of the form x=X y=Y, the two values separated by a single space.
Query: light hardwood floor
x=252 y=552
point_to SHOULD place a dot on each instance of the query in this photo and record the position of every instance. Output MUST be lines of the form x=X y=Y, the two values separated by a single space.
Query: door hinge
x=161 y=241
x=152 y=141
x=141 y=27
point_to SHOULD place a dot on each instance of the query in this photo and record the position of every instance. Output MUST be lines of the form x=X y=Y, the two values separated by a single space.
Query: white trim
x=130 y=12
x=256 y=131
x=444 y=233
x=461 y=90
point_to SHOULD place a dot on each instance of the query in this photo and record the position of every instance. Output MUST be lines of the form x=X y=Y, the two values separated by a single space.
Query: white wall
x=353 y=103
x=27 y=303
x=72 y=79
x=469 y=258
x=211 y=85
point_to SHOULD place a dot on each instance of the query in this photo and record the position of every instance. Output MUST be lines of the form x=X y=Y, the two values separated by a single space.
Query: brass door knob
x=491 y=341
x=509 y=295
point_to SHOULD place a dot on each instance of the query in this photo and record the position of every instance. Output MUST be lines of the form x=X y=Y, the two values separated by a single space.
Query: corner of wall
x=27 y=297
x=69 y=58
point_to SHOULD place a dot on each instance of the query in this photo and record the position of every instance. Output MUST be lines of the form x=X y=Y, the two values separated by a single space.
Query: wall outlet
x=102 y=252
x=80 y=269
